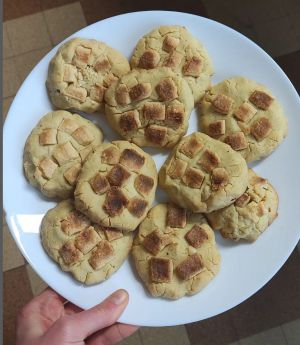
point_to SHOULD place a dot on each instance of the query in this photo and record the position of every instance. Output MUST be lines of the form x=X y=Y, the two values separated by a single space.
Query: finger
x=112 y=335
x=71 y=309
x=81 y=325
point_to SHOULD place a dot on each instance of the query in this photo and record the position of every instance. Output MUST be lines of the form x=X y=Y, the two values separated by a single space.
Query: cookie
x=89 y=252
x=80 y=73
x=203 y=174
x=251 y=213
x=175 y=252
x=174 y=47
x=150 y=107
x=117 y=185
x=245 y=115
x=55 y=150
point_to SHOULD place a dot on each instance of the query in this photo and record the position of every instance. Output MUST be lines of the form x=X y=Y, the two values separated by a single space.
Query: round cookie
x=150 y=107
x=174 y=47
x=89 y=252
x=203 y=174
x=245 y=115
x=117 y=185
x=175 y=252
x=55 y=150
x=251 y=213
x=80 y=73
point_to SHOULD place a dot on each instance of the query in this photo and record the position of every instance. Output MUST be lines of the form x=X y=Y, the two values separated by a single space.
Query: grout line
x=187 y=334
x=34 y=50
x=16 y=267
x=9 y=40
x=6 y=98
x=83 y=14
x=278 y=56
x=51 y=8
x=29 y=51
x=47 y=27
x=140 y=336
x=284 y=336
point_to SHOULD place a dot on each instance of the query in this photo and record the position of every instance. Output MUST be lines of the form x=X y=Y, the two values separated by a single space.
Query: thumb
x=79 y=326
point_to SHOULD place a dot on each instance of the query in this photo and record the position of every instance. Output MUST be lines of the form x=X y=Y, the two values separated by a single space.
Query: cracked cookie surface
x=91 y=253
x=80 y=73
x=251 y=213
x=55 y=151
x=175 y=252
x=117 y=185
x=203 y=174
x=150 y=107
x=175 y=47
x=245 y=115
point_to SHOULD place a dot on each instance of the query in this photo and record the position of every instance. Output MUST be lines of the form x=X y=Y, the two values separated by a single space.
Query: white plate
x=245 y=267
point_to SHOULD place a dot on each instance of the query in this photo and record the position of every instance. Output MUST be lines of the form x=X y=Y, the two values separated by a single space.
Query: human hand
x=49 y=319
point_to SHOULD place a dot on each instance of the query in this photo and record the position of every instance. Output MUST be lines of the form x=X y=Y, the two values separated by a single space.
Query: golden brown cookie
x=175 y=252
x=117 y=185
x=91 y=253
x=55 y=150
x=244 y=115
x=80 y=73
x=174 y=47
x=150 y=107
x=203 y=174
x=251 y=213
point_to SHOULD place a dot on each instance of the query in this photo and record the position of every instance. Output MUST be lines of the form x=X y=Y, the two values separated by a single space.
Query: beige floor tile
x=26 y=62
x=134 y=339
x=64 y=20
x=28 y=33
x=5 y=106
x=165 y=335
x=11 y=81
x=12 y=257
x=273 y=336
x=36 y=283
x=7 y=50
x=277 y=37
x=291 y=331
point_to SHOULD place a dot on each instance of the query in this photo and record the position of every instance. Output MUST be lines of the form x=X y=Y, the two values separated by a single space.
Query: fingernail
x=119 y=297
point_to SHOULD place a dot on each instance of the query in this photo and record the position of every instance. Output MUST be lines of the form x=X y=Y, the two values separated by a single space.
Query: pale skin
x=49 y=319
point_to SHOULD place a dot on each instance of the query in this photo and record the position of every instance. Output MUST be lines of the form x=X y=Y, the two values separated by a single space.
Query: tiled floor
x=33 y=27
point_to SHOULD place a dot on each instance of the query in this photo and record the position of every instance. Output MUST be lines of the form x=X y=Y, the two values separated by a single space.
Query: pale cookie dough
x=251 y=213
x=80 y=73
x=245 y=115
x=203 y=174
x=150 y=108
x=55 y=150
x=117 y=185
x=174 y=47
x=175 y=252
x=89 y=252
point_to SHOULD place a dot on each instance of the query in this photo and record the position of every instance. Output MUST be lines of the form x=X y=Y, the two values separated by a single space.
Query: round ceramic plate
x=245 y=267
